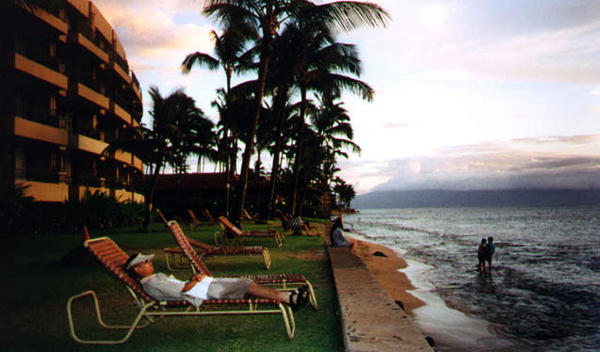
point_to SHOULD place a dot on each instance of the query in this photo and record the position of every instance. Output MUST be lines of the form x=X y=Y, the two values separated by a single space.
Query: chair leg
x=130 y=328
x=278 y=239
x=288 y=320
x=267 y=258
x=217 y=237
x=312 y=296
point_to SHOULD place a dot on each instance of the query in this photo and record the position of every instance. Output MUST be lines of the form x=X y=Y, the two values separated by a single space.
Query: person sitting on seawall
x=200 y=287
x=297 y=225
x=337 y=235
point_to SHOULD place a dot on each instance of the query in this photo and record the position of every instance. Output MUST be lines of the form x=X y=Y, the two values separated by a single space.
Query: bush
x=13 y=208
x=19 y=214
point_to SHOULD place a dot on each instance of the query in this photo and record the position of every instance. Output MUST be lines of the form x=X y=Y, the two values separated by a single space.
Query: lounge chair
x=194 y=222
x=246 y=216
x=113 y=258
x=279 y=281
x=230 y=233
x=209 y=217
x=203 y=249
x=206 y=250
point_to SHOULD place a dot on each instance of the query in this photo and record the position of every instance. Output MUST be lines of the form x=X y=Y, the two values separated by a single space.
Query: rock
x=379 y=254
x=400 y=304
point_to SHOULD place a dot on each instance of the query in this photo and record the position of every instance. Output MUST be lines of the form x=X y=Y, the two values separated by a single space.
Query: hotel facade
x=67 y=93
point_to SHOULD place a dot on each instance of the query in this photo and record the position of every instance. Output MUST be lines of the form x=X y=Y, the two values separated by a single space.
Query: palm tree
x=332 y=124
x=345 y=193
x=321 y=67
x=229 y=49
x=266 y=16
x=178 y=129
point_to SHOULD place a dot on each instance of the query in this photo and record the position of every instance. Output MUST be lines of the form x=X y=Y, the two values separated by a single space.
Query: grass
x=37 y=284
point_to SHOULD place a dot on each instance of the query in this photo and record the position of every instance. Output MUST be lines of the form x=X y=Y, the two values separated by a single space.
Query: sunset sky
x=469 y=94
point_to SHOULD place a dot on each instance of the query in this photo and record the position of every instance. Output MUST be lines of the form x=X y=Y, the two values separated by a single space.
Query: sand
x=385 y=269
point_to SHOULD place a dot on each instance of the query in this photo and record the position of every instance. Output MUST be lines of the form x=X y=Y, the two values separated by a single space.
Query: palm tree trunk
x=279 y=106
x=149 y=199
x=233 y=169
x=262 y=80
x=230 y=160
x=298 y=160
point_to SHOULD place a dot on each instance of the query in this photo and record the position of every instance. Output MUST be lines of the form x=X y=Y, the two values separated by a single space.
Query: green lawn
x=37 y=285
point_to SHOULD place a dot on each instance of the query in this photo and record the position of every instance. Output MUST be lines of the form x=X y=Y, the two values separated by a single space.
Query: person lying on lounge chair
x=201 y=287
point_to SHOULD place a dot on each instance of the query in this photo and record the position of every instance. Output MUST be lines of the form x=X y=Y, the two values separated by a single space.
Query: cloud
x=488 y=41
x=484 y=166
x=151 y=35
x=392 y=124
x=496 y=172
x=576 y=140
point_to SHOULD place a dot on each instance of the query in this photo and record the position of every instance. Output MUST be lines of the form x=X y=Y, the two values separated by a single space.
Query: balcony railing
x=89 y=181
x=40 y=115
x=48 y=71
x=121 y=62
x=41 y=176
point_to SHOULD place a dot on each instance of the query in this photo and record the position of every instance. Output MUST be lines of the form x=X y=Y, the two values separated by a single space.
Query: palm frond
x=199 y=59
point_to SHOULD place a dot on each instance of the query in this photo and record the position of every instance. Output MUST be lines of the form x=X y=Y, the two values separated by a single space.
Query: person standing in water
x=481 y=256
x=490 y=249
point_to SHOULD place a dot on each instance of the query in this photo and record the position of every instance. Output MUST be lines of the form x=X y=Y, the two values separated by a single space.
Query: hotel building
x=67 y=93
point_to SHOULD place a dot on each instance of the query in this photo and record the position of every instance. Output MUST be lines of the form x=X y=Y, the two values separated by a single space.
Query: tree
x=322 y=66
x=266 y=17
x=229 y=50
x=178 y=129
x=345 y=193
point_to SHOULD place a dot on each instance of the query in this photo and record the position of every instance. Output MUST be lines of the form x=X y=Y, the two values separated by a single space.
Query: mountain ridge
x=478 y=198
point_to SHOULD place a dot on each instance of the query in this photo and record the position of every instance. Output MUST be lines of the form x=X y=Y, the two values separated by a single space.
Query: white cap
x=139 y=259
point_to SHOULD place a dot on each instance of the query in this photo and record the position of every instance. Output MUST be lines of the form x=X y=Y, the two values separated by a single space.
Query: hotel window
x=20 y=103
x=54 y=163
x=52 y=103
x=52 y=50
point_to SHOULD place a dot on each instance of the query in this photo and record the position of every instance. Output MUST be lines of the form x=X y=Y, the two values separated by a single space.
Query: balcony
x=135 y=85
x=123 y=157
x=87 y=144
x=91 y=47
x=37 y=131
x=52 y=20
x=121 y=73
x=81 y=5
x=40 y=71
x=47 y=192
x=100 y=23
x=120 y=112
x=93 y=96
x=138 y=164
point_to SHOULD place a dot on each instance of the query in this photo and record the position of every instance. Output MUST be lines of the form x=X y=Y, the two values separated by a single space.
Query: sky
x=469 y=94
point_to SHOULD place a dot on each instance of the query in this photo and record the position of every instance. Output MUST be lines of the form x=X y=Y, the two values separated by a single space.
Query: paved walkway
x=371 y=320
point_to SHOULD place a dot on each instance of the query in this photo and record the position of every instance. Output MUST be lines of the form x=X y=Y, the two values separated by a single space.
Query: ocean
x=544 y=291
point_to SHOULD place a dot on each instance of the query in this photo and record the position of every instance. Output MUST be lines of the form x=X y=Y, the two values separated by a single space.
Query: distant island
x=490 y=198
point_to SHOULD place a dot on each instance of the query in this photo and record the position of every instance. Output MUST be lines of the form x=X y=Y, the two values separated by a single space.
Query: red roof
x=193 y=181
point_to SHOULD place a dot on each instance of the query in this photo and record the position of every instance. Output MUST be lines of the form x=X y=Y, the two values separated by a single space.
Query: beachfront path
x=371 y=320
